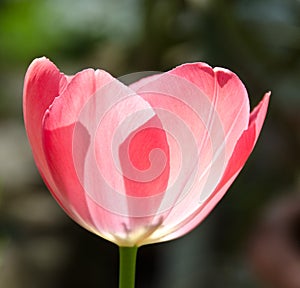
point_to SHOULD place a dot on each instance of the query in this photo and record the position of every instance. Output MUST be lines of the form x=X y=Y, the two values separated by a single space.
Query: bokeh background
x=252 y=236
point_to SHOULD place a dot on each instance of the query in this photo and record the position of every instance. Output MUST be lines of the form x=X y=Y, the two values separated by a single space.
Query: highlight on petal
x=143 y=163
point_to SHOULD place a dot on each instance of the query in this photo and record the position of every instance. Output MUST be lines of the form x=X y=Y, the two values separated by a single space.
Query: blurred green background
x=259 y=40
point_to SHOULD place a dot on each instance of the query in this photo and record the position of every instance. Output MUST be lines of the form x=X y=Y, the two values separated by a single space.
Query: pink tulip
x=143 y=163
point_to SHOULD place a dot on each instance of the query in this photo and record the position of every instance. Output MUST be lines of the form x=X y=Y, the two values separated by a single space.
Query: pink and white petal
x=42 y=84
x=192 y=97
x=133 y=159
x=58 y=125
x=78 y=132
x=212 y=103
x=179 y=105
x=181 y=125
x=180 y=221
x=227 y=95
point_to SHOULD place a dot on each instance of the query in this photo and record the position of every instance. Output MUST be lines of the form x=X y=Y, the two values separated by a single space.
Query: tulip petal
x=204 y=111
x=227 y=94
x=58 y=125
x=240 y=155
x=42 y=84
x=80 y=130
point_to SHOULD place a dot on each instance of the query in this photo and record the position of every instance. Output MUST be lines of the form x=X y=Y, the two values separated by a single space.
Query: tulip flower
x=143 y=163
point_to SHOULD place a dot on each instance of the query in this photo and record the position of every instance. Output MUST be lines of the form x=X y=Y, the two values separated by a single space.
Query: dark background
x=259 y=40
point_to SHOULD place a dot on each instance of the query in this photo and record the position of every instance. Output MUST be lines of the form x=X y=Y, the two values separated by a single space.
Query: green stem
x=127 y=266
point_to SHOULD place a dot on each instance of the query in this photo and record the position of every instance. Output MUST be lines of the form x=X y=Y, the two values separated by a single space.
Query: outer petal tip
x=38 y=62
x=268 y=94
x=266 y=98
x=259 y=112
x=38 y=68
